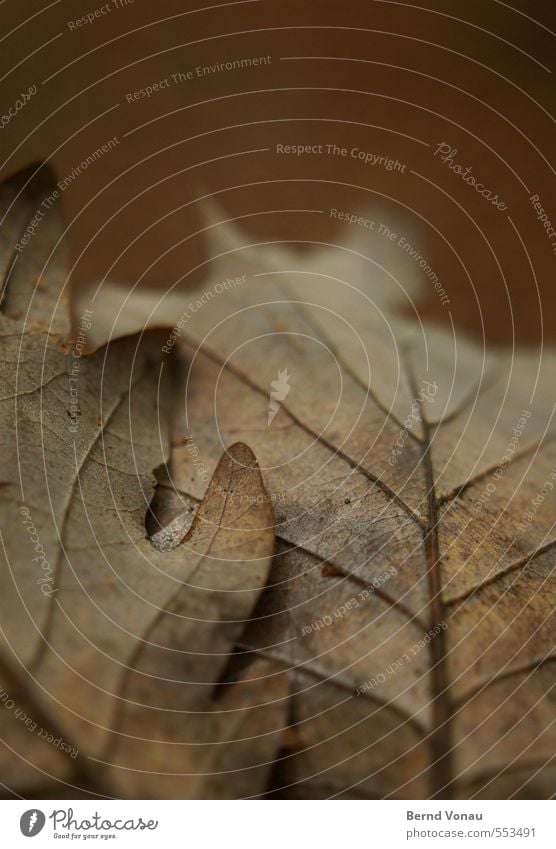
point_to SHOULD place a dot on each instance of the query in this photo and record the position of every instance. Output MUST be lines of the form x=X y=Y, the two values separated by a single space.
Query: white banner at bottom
x=273 y=824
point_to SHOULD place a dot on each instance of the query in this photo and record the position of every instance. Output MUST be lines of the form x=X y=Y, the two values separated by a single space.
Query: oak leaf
x=401 y=644
x=114 y=650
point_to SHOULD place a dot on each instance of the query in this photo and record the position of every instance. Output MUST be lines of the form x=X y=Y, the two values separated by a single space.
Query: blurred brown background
x=389 y=78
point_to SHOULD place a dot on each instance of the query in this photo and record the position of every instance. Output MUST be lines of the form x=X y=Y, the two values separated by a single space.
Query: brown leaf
x=403 y=644
x=411 y=599
x=98 y=625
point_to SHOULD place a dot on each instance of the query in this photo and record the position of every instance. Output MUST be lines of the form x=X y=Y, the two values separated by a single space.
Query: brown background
x=474 y=74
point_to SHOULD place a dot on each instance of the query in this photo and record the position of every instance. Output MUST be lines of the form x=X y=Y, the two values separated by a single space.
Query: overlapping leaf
x=100 y=630
x=403 y=645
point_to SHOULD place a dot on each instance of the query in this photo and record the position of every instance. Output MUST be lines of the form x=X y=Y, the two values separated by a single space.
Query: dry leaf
x=105 y=639
x=403 y=645
x=412 y=474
